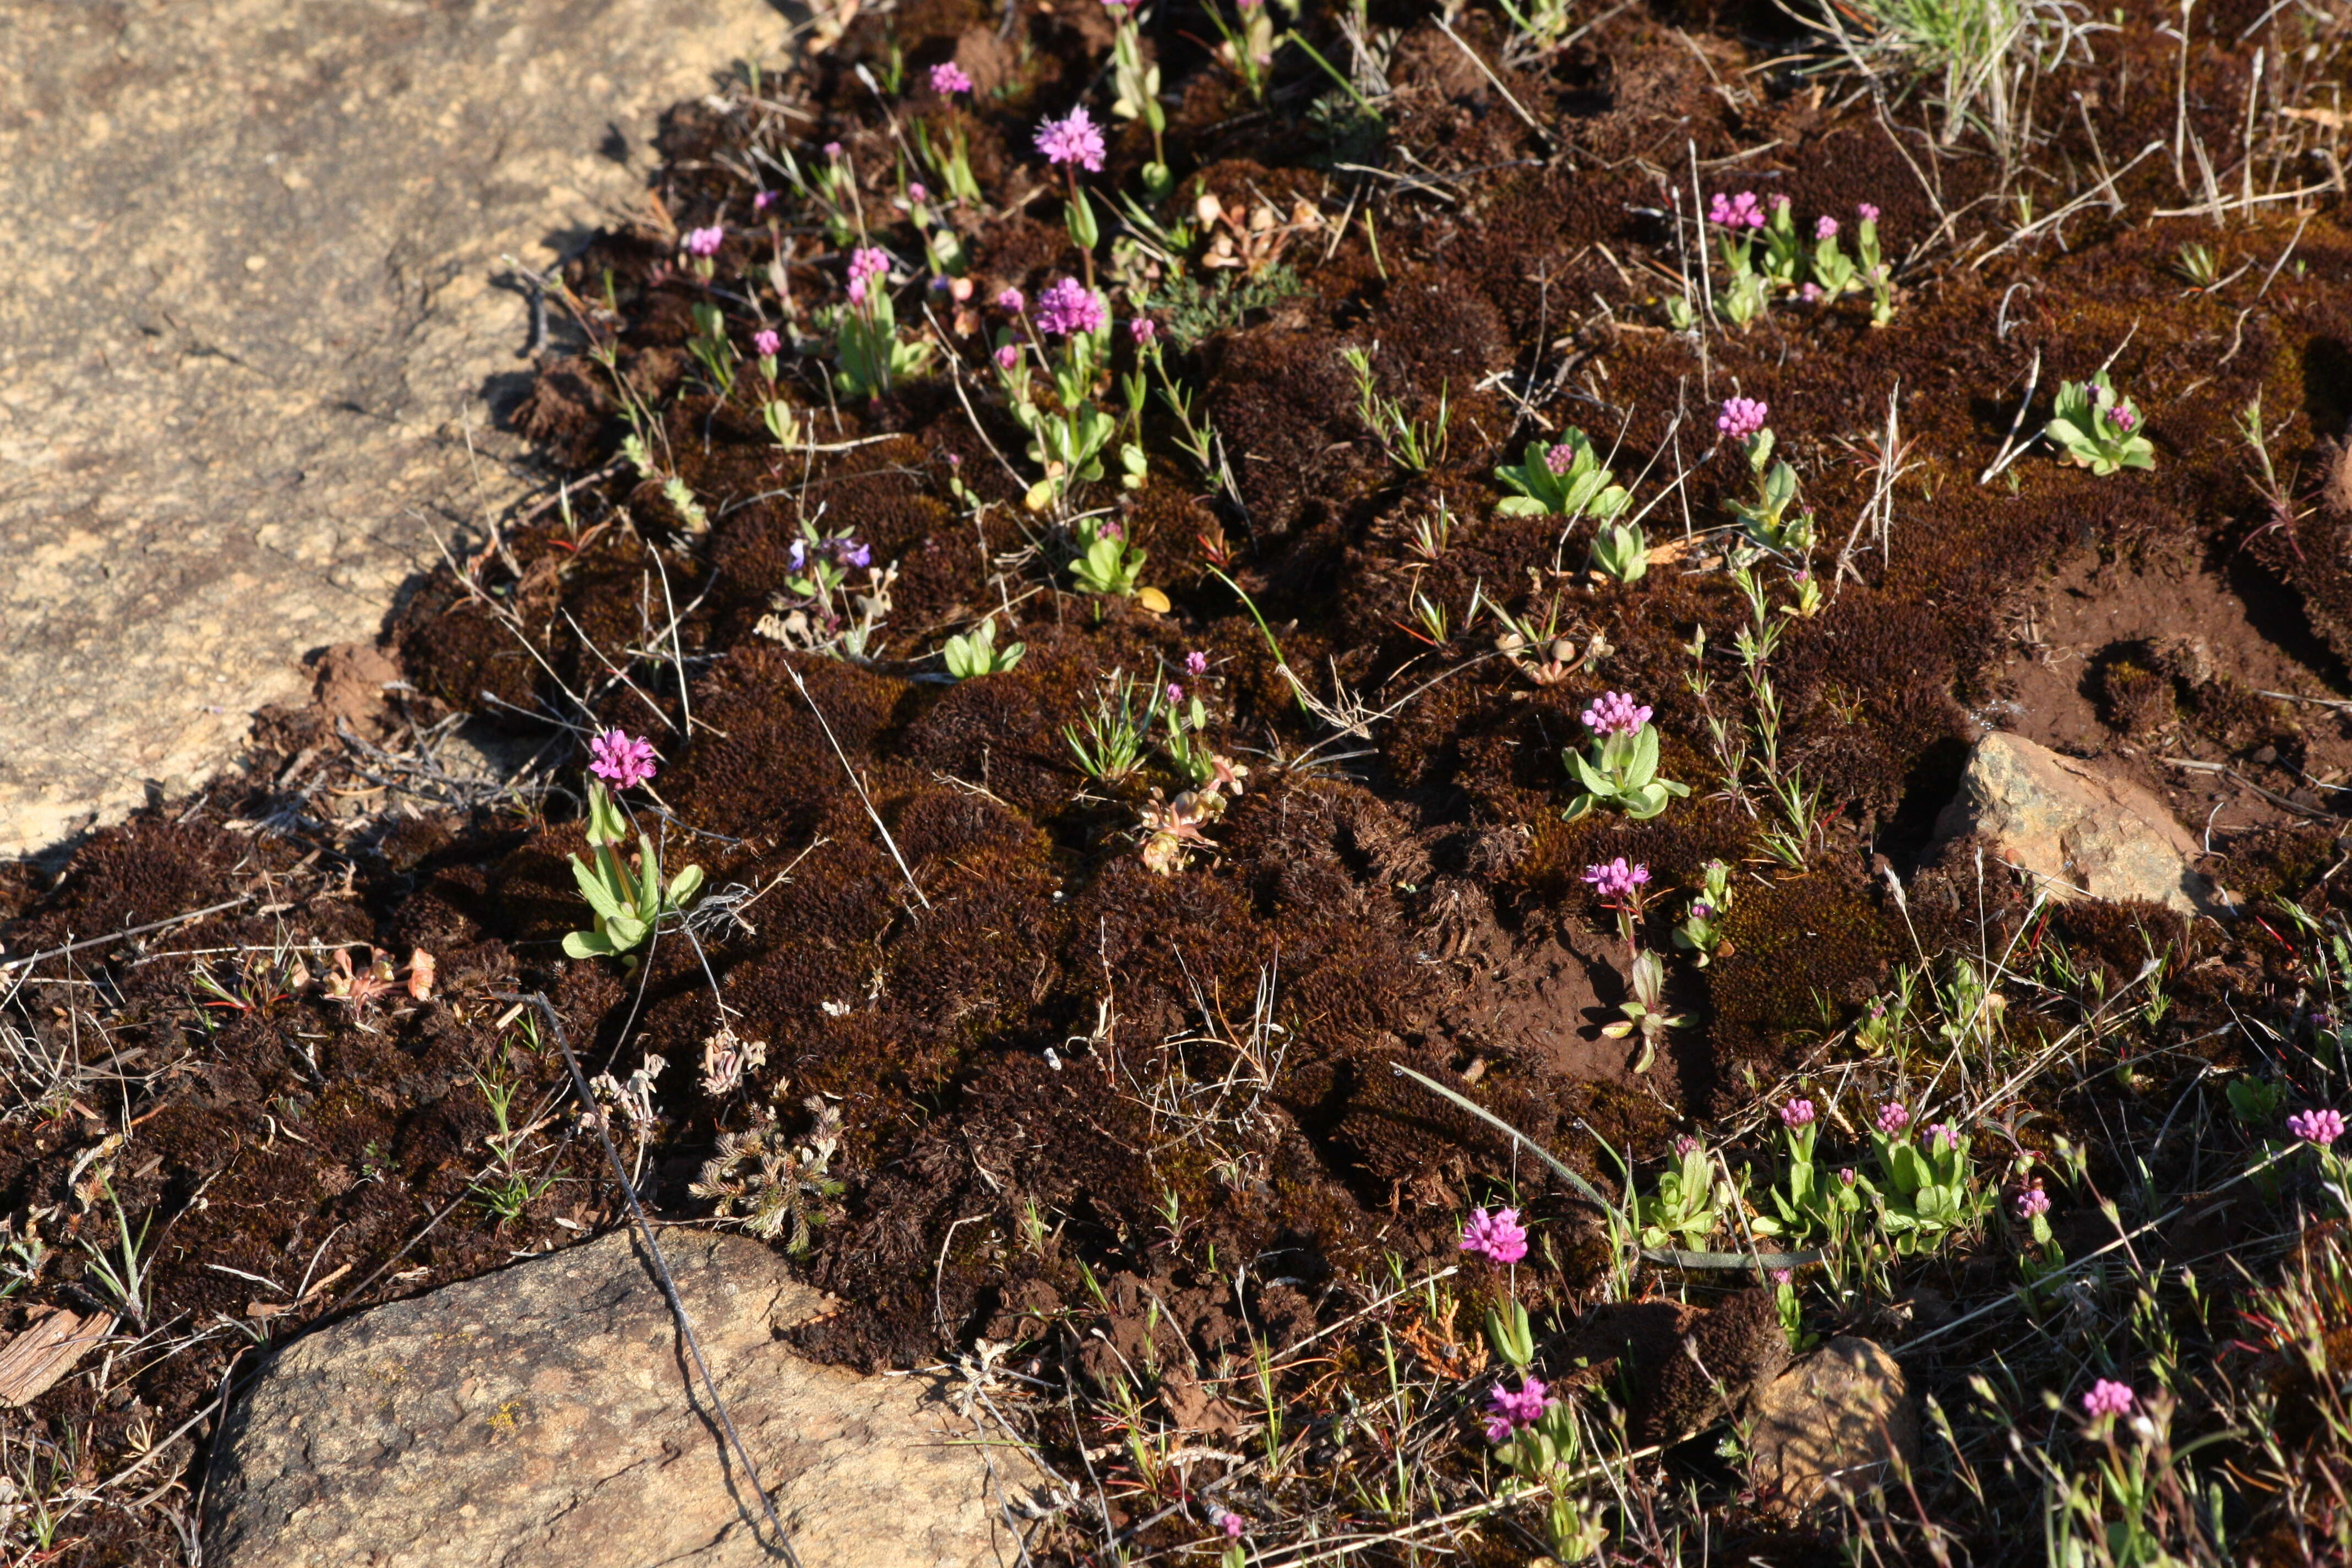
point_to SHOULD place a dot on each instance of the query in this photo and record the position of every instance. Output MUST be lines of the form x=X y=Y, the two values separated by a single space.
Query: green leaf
x=1519 y=506
x=587 y=944
x=683 y=888
x=594 y=889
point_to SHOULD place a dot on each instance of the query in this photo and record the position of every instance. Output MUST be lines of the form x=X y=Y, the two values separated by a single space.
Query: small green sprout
x=2097 y=429
x=1107 y=565
x=975 y=652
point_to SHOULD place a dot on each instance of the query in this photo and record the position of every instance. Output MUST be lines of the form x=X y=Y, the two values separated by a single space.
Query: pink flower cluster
x=2109 y=1398
x=950 y=78
x=1617 y=878
x=1797 y=1113
x=1869 y=214
x=1196 y=663
x=1142 y=330
x=866 y=264
x=621 y=759
x=1942 y=1132
x=1825 y=227
x=1075 y=139
x=1012 y=300
x=1735 y=212
x=2032 y=1203
x=1068 y=307
x=705 y=242
x=1498 y=1238
x=1893 y=1117
x=766 y=343
x=2322 y=1127
x=1560 y=459
x=1508 y=1410
x=1742 y=417
x=1615 y=713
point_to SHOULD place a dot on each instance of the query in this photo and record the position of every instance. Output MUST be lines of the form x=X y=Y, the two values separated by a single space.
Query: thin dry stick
x=33 y=958
x=661 y=1268
x=856 y=784
x=2009 y=449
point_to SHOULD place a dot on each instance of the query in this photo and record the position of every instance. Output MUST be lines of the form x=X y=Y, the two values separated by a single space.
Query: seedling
x=1687 y=1205
x=1701 y=931
x=761 y=1182
x=1109 y=740
x=1410 y=444
x=975 y=652
x=2099 y=430
x=2200 y=264
x=1564 y=478
x=1106 y=563
x=1646 y=1011
x=1620 y=549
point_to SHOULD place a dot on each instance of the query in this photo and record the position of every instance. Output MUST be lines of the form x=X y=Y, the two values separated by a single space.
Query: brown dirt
x=1001 y=1047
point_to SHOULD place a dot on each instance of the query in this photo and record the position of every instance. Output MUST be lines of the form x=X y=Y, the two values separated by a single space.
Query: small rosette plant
x=1928 y=1191
x=866 y=351
x=627 y=901
x=1701 y=929
x=1809 y=1201
x=1689 y=1203
x=2099 y=430
x=1622 y=767
x=1563 y=478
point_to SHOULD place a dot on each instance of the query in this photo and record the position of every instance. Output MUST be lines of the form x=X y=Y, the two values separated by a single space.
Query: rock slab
x=540 y=1416
x=254 y=310
x=2079 y=832
x=1837 y=1423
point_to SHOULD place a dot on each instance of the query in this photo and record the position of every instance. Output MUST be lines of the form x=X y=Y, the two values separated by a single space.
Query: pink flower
x=1615 y=713
x=833 y=149
x=1735 y=212
x=1560 y=459
x=2032 y=1203
x=1869 y=214
x=1144 y=328
x=1070 y=307
x=1825 y=227
x=1893 y=1117
x=2124 y=416
x=1783 y=1276
x=1685 y=1144
x=763 y=201
x=1175 y=692
x=1510 y=1409
x=621 y=759
x=1797 y=1113
x=1498 y=1238
x=949 y=79
x=1942 y=1132
x=1008 y=356
x=1810 y=293
x=2109 y=1398
x=1742 y=417
x=1846 y=1177
x=1233 y=1524
x=867 y=261
x=1196 y=663
x=1012 y=300
x=1074 y=139
x=765 y=343
x=1616 y=879
x=705 y=242
x=2322 y=1127
x=918 y=191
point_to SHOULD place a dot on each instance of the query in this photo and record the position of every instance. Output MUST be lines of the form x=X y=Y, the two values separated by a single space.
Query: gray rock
x=1834 y=1424
x=2076 y=830
x=539 y=1417
x=251 y=319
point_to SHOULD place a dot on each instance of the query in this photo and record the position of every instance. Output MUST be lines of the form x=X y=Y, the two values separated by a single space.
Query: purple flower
x=918 y=191
x=1685 y=1144
x=1008 y=356
x=1825 y=227
x=1869 y=214
x=705 y=242
x=1797 y=1113
x=1070 y=307
x=1615 y=713
x=1783 y=1276
x=2322 y=1127
x=1616 y=879
x=1560 y=459
x=1233 y=1524
x=2125 y=416
x=621 y=759
x=1196 y=663
x=1742 y=417
x=2109 y=1398
x=949 y=78
x=1845 y=1176
x=1013 y=300
x=1893 y=1117
x=852 y=553
x=1500 y=1237
x=1942 y=1132
x=1074 y=139
x=833 y=149
x=1810 y=293
x=1175 y=692
x=1144 y=328
x=763 y=201
x=765 y=343
x=1735 y=212
x=2032 y=1203
x=1509 y=1409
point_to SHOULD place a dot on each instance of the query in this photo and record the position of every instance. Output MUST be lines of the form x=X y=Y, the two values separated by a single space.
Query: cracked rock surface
x=539 y=1415
x=253 y=318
